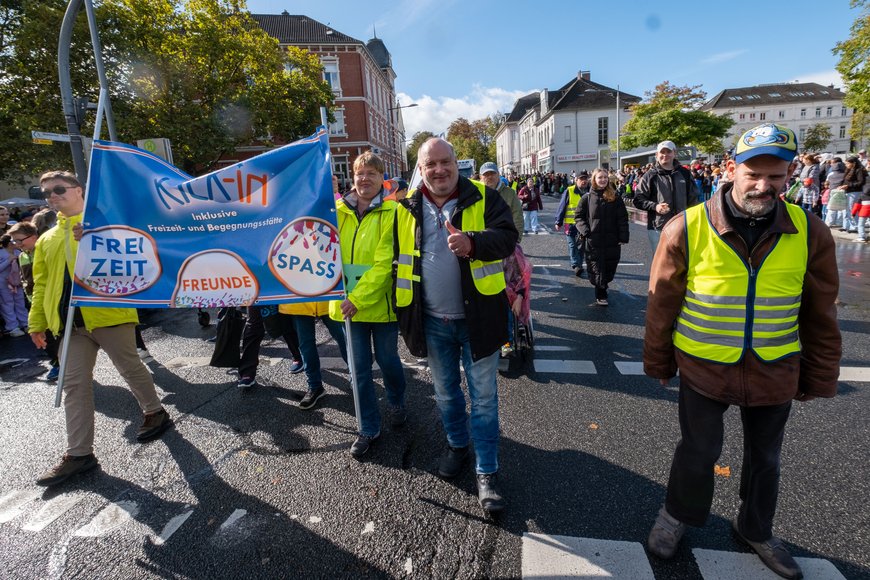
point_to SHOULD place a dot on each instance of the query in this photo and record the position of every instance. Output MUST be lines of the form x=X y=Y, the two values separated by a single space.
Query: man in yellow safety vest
x=741 y=301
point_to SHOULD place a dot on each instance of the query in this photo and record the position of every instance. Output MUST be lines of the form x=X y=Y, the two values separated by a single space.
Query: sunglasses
x=19 y=241
x=57 y=190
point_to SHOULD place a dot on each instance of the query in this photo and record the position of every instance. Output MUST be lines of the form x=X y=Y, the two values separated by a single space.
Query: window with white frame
x=741 y=116
x=782 y=114
x=802 y=133
x=842 y=131
x=602 y=130
x=567 y=133
x=338 y=128
x=751 y=116
x=829 y=112
x=818 y=112
x=762 y=116
x=843 y=112
x=330 y=74
x=803 y=113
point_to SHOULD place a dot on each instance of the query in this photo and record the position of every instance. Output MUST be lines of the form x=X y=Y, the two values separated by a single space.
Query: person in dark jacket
x=450 y=236
x=664 y=191
x=854 y=182
x=602 y=225
x=741 y=300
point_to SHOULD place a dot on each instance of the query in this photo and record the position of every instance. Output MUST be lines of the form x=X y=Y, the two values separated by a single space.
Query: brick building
x=363 y=84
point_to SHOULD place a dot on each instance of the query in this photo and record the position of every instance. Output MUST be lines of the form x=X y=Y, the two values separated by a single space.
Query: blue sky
x=471 y=58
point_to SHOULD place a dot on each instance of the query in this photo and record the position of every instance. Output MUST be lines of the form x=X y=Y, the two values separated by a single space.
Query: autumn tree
x=474 y=139
x=672 y=113
x=417 y=140
x=199 y=72
x=817 y=138
x=854 y=67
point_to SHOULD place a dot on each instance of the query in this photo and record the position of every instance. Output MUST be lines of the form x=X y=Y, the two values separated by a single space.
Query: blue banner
x=260 y=231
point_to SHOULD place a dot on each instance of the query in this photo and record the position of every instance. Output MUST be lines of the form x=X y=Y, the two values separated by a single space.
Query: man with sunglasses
x=111 y=329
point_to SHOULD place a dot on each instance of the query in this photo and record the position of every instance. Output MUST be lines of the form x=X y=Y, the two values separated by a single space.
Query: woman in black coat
x=602 y=224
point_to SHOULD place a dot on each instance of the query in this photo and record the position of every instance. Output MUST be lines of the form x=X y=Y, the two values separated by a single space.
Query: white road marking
x=12 y=504
x=9 y=361
x=629 y=367
x=580 y=367
x=855 y=374
x=51 y=511
x=171 y=527
x=110 y=517
x=621 y=264
x=185 y=362
x=557 y=557
x=547 y=265
x=315 y=519
x=715 y=565
x=234 y=517
x=552 y=348
x=369 y=529
x=409 y=566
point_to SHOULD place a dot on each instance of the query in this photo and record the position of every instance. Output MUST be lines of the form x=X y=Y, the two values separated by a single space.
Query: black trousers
x=690 y=487
x=253 y=335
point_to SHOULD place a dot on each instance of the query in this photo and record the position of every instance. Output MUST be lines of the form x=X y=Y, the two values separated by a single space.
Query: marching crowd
x=441 y=266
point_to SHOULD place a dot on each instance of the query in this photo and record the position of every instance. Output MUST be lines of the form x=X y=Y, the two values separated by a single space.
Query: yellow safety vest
x=488 y=276
x=573 y=202
x=732 y=305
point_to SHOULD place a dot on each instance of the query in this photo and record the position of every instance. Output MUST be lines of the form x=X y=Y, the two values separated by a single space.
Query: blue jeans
x=385 y=336
x=447 y=341
x=575 y=250
x=850 y=223
x=308 y=345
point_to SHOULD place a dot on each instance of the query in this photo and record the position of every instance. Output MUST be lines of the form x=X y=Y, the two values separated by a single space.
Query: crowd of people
x=442 y=267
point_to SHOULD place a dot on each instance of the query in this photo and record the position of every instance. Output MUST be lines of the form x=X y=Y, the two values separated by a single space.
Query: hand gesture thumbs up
x=458 y=242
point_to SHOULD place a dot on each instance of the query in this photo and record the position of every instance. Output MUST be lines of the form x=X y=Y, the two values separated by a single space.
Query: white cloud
x=436 y=113
x=825 y=77
x=721 y=57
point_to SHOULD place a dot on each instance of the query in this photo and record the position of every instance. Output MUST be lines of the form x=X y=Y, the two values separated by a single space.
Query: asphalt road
x=247 y=485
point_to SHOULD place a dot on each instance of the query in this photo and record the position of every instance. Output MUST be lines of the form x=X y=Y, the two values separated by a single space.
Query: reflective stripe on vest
x=731 y=306
x=488 y=276
x=573 y=202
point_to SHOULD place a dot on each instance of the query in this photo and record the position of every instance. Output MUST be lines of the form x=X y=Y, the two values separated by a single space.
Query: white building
x=565 y=130
x=797 y=106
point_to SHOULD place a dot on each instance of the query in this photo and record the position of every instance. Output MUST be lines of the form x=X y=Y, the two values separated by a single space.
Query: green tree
x=817 y=138
x=672 y=112
x=418 y=139
x=474 y=139
x=200 y=72
x=854 y=67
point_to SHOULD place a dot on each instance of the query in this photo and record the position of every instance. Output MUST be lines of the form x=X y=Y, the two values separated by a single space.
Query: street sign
x=159 y=146
x=42 y=136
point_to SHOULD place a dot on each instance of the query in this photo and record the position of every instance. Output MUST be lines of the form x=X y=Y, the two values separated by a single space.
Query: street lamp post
x=618 y=162
x=393 y=139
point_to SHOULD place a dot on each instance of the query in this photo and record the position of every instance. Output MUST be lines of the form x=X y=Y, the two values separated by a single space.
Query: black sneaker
x=397 y=416
x=153 y=425
x=310 y=398
x=246 y=382
x=68 y=466
x=578 y=271
x=452 y=461
x=362 y=444
x=773 y=553
x=488 y=495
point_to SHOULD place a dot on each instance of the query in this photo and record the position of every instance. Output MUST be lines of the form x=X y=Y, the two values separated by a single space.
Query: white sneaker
x=16 y=333
x=859 y=239
x=144 y=355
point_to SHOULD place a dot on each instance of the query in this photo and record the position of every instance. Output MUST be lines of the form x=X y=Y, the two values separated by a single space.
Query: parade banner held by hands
x=259 y=231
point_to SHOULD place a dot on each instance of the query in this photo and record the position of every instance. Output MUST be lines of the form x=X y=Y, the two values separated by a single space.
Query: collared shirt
x=441 y=282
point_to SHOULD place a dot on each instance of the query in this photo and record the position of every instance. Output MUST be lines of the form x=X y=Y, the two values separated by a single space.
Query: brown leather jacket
x=749 y=382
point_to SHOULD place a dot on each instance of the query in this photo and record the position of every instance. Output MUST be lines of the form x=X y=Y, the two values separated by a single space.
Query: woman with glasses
x=11 y=291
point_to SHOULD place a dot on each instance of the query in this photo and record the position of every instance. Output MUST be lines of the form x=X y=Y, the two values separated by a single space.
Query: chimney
x=583 y=75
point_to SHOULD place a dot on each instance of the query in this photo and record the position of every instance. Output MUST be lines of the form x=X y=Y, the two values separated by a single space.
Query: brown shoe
x=154 y=425
x=69 y=465
x=773 y=553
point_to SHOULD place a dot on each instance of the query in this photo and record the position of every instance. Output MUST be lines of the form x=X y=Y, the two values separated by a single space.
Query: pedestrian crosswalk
x=543 y=555
x=555 y=557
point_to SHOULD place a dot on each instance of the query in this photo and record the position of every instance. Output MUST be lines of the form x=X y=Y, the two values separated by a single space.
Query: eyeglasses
x=19 y=241
x=57 y=190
